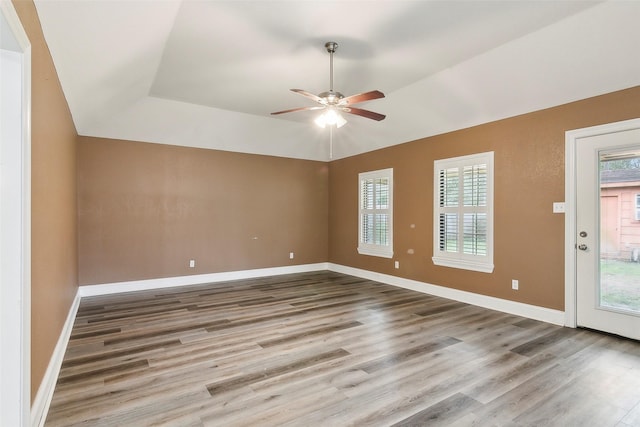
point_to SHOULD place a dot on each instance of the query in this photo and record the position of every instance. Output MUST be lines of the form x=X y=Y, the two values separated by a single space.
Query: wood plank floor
x=326 y=349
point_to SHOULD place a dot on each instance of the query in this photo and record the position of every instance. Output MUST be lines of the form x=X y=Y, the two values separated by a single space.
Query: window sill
x=483 y=267
x=376 y=251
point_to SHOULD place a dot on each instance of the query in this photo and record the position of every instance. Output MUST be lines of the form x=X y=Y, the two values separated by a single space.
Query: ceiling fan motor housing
x=331 y=97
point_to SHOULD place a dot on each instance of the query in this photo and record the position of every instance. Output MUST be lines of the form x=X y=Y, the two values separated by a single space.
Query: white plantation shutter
x=375 y=213
x=448 y=194
x=474 y=226
x=463 y=212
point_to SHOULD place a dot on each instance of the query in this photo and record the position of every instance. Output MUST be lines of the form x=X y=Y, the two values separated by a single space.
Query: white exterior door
x=607 y=279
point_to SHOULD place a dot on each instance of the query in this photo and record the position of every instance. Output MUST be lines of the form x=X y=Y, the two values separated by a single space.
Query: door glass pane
x=619 y=231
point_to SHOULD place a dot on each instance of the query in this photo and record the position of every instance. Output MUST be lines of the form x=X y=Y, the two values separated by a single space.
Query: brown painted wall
x=145 y=210
x=529 y=177
x=54 y=278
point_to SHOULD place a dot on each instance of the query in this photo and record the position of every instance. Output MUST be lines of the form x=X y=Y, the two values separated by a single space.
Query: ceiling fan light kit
x=333 y=103
x=330 y=117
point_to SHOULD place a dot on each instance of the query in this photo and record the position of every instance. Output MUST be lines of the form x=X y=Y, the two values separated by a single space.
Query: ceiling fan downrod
x=331 y=48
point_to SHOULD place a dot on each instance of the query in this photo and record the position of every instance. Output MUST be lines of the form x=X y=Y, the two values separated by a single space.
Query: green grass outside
x=620 y=284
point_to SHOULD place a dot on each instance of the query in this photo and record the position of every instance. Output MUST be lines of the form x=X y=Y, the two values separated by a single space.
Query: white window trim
x=637 y=206
x=482 y=264
x=367 y=248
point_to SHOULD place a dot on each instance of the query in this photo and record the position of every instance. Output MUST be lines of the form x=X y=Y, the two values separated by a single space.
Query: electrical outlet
x=192 y=263
x=397 y=264
x=290 y=255
x=515 y=285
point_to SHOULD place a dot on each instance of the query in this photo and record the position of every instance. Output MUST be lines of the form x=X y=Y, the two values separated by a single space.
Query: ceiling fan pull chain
x=330 y=142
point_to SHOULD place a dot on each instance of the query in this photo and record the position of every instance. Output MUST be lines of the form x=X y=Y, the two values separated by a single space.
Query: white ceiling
x=208 y=73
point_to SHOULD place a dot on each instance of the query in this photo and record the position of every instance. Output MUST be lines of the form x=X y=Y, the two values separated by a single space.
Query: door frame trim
x=15 y=216
x=571 y=142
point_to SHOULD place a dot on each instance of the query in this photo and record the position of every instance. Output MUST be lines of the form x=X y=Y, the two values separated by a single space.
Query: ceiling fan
x=334 y=102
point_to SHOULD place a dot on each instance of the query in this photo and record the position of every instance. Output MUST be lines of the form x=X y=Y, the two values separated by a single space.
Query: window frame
x=637 y=206
x=372 y=249
x=457 y=259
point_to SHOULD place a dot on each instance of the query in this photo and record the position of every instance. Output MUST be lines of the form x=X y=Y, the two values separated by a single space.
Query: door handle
x=582 y=247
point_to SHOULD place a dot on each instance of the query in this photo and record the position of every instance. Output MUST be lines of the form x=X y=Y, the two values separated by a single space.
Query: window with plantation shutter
x=375 y=212
x=463 y=212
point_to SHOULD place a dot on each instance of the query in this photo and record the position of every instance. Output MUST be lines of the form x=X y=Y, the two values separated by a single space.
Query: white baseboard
x=544 y=314
x=196 y=279
x=40 y=406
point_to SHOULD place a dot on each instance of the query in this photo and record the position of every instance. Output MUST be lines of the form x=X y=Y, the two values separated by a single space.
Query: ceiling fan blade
x=364 y=113
x=361 y=97
x=308 y=95
x=293 y=110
